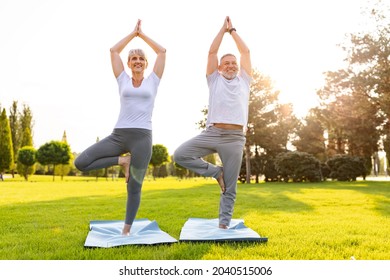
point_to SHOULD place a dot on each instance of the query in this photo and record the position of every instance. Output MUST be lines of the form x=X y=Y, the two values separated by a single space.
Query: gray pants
x=229 y=144
x=106 y=152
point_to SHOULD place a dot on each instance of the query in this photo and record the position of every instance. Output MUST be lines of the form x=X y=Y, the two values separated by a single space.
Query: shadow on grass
x=268 y=200
x=273 y=194
x=377 y=190
x=57 y=229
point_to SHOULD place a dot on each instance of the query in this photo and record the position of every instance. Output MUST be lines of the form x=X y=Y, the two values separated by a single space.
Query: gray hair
x=225 y=55
x=139 y=52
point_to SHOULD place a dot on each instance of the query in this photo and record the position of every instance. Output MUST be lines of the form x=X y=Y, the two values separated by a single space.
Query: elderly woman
x=132 y=134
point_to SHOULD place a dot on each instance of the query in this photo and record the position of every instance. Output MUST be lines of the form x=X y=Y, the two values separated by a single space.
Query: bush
x=270 y=172
x=298 y=166
x=346 y=167
x=325 y=171
x=26 y=160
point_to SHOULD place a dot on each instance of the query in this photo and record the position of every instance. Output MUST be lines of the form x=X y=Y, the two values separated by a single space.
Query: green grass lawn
x=46 y=220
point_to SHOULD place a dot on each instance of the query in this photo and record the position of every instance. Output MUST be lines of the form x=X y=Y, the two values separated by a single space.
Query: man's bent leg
x=190 y=153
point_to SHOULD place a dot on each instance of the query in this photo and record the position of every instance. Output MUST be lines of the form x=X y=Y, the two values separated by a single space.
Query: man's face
x=228 y=67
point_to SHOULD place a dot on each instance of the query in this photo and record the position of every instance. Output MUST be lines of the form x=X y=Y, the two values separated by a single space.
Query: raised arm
x=116 y=61
x=159 y=64
x=245 y=59
x=212 y=62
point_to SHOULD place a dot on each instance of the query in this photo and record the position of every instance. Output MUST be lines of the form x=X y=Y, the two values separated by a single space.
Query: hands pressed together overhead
x=227 y=25
x=137 y=28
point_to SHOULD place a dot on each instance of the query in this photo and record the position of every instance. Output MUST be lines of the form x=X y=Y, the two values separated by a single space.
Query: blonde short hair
x=139 y=52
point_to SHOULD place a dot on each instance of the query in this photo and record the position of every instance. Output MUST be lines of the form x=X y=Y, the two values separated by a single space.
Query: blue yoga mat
x=107 y=234
x=197 y=229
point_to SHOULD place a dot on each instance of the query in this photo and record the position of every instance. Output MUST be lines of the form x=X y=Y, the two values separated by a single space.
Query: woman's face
x=137 y=63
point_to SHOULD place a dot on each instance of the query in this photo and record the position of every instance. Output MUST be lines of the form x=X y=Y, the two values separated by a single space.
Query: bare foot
x=221 y=182
x=125 y=163
x=126 y=230
x=223 y=226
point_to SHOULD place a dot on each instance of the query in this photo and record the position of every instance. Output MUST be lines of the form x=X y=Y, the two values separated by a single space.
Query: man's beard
x=229 y=76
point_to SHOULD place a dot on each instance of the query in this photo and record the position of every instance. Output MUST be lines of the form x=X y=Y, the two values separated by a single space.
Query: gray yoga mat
x=107 y=234
x=198 y=229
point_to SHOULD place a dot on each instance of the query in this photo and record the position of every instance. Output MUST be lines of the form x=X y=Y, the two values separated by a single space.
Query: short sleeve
x=212 y=77
x=156 y=80
x=245 y=76
x=122 y=77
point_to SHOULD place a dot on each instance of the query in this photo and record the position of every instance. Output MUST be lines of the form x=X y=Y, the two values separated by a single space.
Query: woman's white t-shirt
x=136 y=104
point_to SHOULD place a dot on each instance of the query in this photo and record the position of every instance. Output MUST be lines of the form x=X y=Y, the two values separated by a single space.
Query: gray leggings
x=106 y=152
x=229 y=144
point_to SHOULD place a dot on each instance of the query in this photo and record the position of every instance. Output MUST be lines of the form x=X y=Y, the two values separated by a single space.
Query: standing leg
x=230 y=151
x=140 y=146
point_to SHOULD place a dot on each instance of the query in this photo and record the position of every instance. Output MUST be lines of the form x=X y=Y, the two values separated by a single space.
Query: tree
x=6 y=150
x=26 y=160
x=54 y=153
x=26 y=127
x=355 y=105
x=260 y=114
x=270 y=124
x=311 y=138
x=64 y=169
x=351 y=119
x=21 y=124
x=26 y=139
x=369 y=52
x=162 y=171
x=386 y=147
x=15 y=131
x=159 y=156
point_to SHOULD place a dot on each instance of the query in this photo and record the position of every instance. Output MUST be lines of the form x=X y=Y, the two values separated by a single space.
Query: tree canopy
x=26 y=160
x=54 y=153
x=6 y=150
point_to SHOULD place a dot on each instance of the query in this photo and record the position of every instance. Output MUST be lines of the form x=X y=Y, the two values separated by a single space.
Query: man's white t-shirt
x=228 y=99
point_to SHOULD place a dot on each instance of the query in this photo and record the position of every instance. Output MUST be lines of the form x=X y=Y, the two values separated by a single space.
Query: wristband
x=231 y=30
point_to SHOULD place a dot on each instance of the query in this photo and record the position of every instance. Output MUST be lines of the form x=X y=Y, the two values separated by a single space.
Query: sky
x=54 y=57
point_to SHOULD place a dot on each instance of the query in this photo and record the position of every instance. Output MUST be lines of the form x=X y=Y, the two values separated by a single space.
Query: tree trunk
x=248 y=163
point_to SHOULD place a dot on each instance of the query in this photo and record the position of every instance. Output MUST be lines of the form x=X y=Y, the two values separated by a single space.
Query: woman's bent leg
x=102 y=154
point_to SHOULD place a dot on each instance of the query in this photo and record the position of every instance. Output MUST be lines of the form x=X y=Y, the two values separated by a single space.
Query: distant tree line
x=18 y=155
x=17 y=152
x=339 y=139
x=15 y=133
